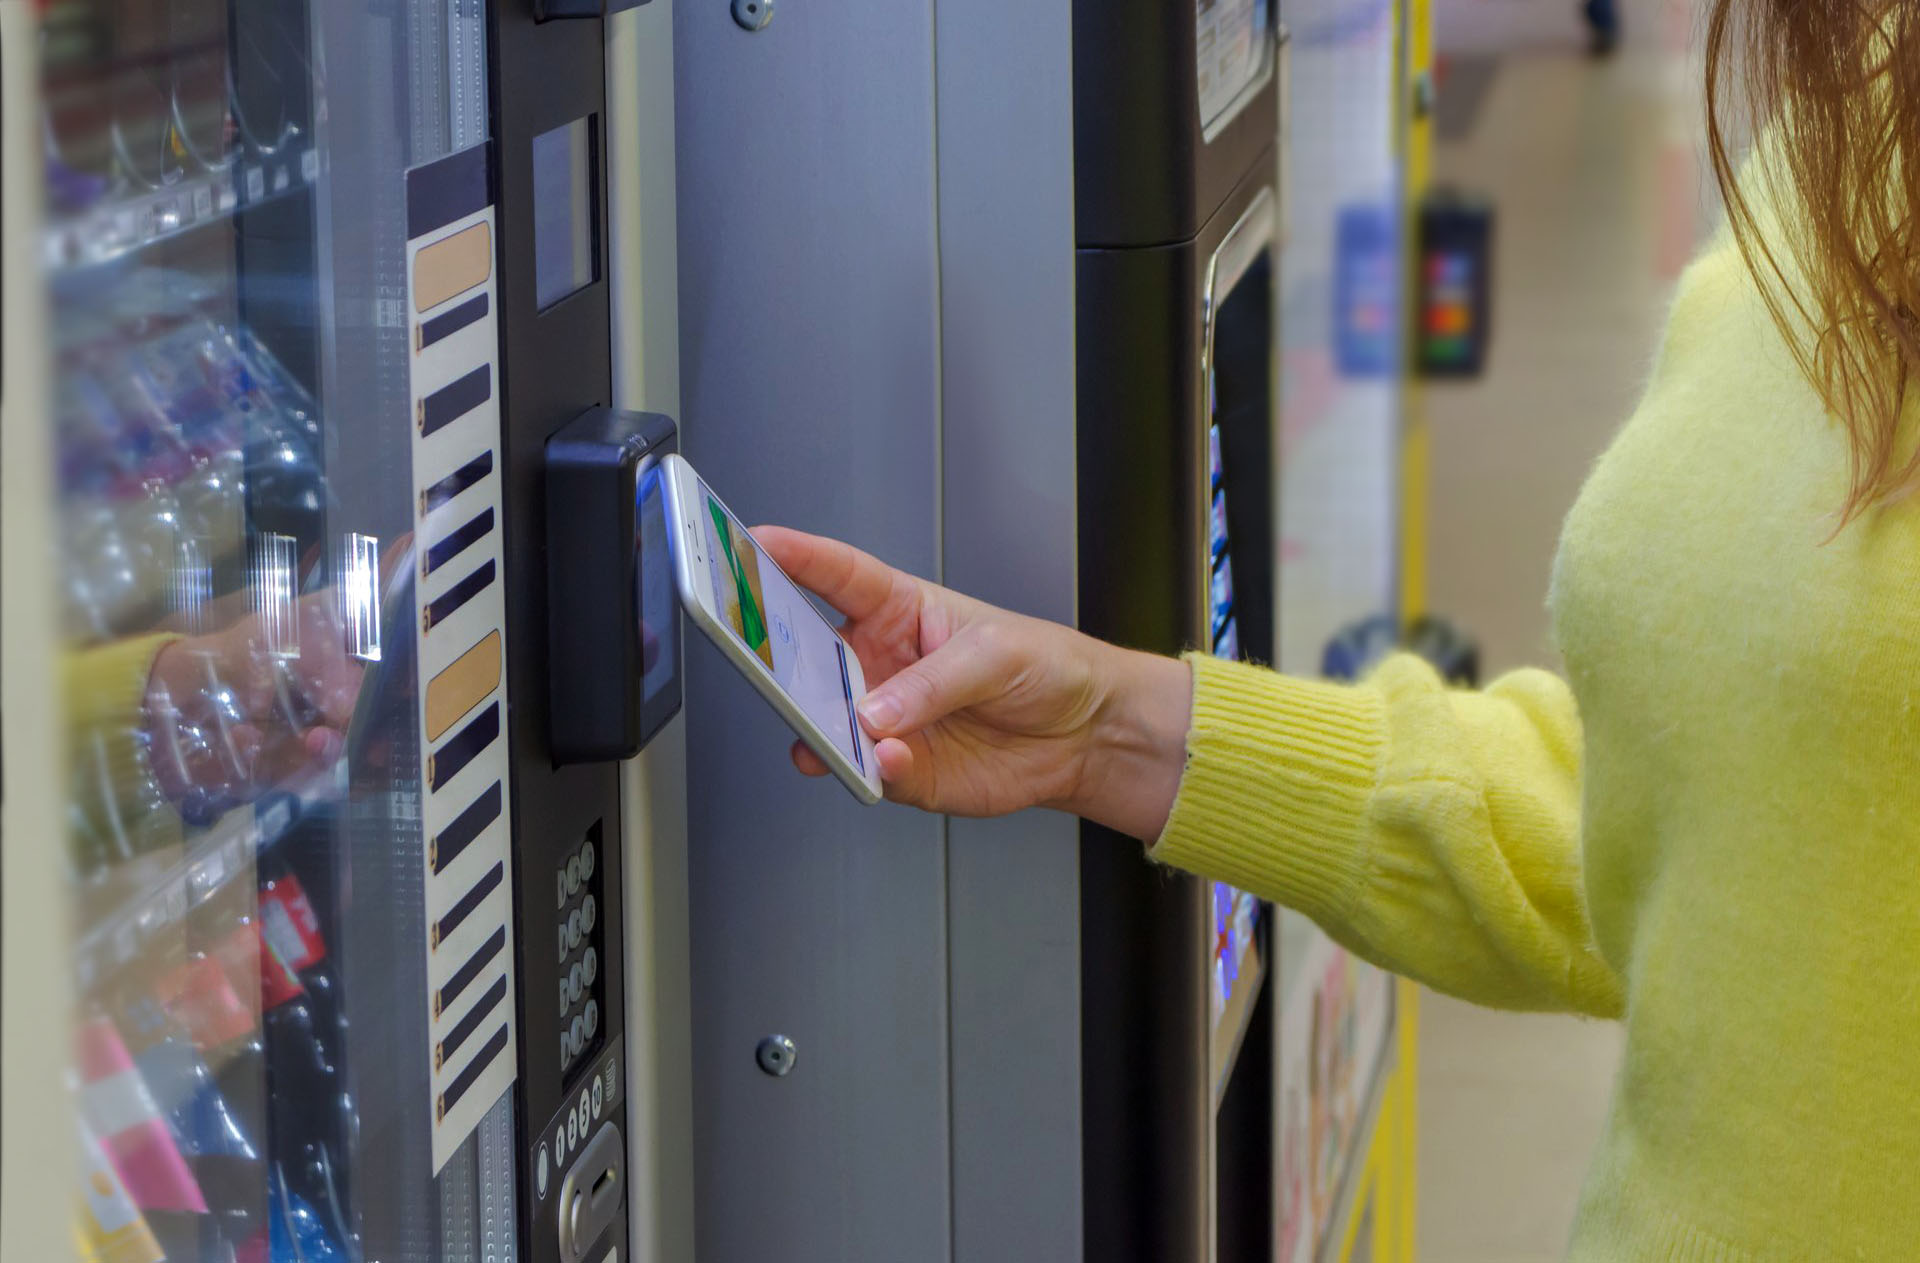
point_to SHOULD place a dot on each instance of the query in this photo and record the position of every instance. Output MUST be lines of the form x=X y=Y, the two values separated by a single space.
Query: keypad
x=580 y=981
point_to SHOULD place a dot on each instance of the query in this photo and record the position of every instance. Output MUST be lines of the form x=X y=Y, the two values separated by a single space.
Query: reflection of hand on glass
x=232 y=713
x=261 y=701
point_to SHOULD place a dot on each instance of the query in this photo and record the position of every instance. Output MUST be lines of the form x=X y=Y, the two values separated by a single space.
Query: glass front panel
x=226 y=258
x=1242 y=418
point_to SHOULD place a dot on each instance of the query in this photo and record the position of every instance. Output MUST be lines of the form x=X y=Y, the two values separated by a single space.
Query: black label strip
x=444 y=326
x=442 y=607
x=446 y=191
x=459 y=541
x=455 y=400
x=471 y=1022
x=463 y=977
x=456 y=482
x=458 y=914
x=467 y=826
x=476 y=1067
x=447 y=762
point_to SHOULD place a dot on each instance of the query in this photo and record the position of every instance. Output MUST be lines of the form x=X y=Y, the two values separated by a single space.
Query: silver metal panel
x=809 y=352
x=642 y=262
x=1008 y=473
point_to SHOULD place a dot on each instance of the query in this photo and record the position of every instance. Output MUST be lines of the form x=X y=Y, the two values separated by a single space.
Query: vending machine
x=1178 y=227
x=323 y=941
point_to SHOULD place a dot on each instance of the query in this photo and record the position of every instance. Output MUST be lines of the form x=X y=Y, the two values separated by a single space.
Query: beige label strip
x=451 y=267
x=466 y=683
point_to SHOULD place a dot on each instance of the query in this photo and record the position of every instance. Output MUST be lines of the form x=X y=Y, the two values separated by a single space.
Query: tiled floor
x=1593 y=167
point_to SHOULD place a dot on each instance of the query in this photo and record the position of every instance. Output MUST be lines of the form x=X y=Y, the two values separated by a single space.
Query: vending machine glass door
x=289 y=1041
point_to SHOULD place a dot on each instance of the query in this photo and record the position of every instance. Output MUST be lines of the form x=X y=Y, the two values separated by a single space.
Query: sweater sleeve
x=1433 y=831
x=105 y=689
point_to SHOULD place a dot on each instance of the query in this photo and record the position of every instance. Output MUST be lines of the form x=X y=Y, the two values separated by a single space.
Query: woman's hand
x=980 y=712
x=228 y=719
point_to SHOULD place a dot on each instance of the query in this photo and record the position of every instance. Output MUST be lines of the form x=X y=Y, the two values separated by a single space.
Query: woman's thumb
x=967 y=670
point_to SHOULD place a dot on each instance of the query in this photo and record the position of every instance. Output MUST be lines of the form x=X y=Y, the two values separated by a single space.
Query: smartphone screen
x=777 y=624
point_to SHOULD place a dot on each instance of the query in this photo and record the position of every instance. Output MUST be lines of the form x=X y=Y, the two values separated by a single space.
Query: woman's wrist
x=1137 y=749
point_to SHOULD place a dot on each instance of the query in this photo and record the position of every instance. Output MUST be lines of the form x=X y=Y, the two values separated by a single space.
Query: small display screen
x=1236 y=914
x=566 y=229
x=1233 y=45
x=778 y=625
x=659 y=606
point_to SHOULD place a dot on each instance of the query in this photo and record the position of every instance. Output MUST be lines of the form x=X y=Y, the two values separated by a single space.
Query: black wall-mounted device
x=545 y=9
x=613 y=618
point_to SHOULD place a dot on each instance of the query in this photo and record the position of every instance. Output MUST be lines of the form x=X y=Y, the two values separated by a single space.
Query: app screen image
x=778 y=625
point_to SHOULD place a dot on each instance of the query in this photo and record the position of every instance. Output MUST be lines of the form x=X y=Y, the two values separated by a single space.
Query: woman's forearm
x=1138 y=745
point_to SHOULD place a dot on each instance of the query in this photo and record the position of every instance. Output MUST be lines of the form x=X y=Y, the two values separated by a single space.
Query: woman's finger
x=971 y=668
x=807 y=761
x=906 y=770
x=856 y=584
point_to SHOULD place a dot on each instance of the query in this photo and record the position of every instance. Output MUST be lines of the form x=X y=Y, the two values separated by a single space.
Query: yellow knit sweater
x=1711 y=830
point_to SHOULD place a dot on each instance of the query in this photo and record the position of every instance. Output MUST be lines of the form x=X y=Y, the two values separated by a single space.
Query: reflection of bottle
x=215 y=1001
x=299 y=1234
x=118 y=1103
x=217 y=1146
x=197 y=83
x=111 y=1228
x=311 y=1112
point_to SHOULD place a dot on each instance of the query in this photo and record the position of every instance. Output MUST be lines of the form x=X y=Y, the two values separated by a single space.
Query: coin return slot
x=587 y=1210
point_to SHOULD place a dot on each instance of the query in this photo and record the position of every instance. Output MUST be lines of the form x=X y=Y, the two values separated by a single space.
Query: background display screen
x=778 y=625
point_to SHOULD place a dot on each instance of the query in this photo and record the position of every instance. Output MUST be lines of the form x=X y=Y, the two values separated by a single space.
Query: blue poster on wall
x=1366 y=291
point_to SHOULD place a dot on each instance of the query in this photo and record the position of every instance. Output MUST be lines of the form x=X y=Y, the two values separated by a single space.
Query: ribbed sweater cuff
x=1274 y=797
x=106 y=690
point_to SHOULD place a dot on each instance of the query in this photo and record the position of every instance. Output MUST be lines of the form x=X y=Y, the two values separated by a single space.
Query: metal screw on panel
x=776 y=1055
x=753 y=15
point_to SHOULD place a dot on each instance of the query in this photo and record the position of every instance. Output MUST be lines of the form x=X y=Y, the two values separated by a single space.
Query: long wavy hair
x=1835 y=86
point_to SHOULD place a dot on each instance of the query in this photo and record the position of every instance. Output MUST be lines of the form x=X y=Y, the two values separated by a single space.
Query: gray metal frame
x=643 y=273
x=36 y=1122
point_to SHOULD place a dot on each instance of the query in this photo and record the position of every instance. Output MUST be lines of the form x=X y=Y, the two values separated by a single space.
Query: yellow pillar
x=1417 y=140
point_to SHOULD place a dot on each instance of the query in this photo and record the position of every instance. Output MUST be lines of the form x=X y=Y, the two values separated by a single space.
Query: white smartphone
x=768 y=628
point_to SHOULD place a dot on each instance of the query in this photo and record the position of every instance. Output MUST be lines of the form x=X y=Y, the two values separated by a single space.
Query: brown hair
x=1838 y=82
